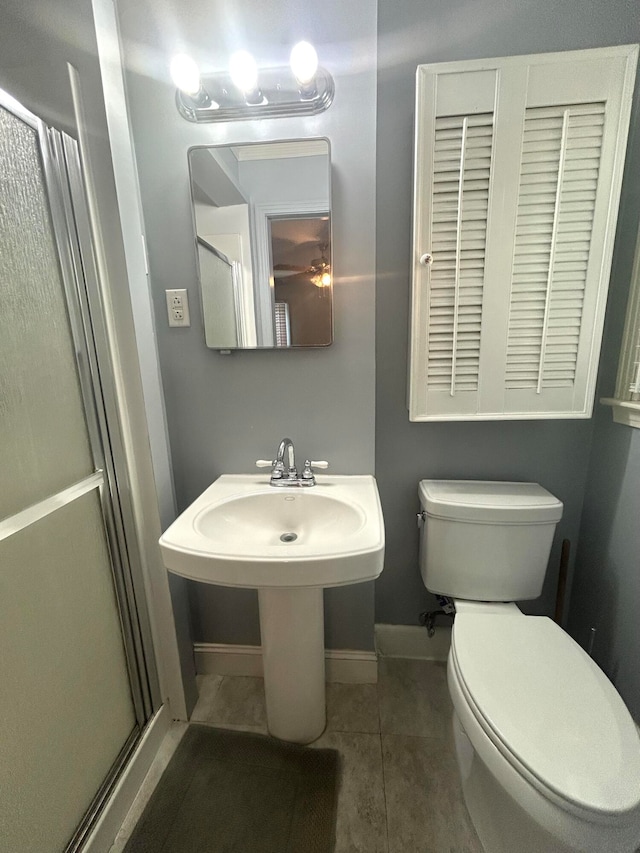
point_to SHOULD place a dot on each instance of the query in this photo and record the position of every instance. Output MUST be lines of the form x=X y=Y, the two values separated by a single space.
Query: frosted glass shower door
x=67 y=710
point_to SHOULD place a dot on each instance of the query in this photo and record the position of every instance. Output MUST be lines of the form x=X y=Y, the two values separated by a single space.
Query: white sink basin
x=243 y=532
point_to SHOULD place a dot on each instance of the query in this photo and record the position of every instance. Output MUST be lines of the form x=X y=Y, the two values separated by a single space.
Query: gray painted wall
x=606 y=590
x=225 y=412
x=554 y=453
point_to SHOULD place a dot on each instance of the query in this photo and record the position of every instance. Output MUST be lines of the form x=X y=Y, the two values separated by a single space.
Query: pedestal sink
x=288 y=544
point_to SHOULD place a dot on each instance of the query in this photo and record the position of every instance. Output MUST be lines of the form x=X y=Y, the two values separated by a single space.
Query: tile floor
x=399 y=790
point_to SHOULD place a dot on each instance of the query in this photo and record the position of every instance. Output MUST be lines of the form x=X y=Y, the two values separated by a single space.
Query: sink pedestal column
x=292 y=628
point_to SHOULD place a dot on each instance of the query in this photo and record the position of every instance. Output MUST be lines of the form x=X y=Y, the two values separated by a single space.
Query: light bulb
x=326 y=279
x=304 y=62
x=244 y=71
x=185 y=74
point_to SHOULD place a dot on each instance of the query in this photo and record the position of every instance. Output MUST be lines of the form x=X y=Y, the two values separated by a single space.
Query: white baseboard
x=349 y=666
x=224 y=659
x=412 y=641
x=126 y=790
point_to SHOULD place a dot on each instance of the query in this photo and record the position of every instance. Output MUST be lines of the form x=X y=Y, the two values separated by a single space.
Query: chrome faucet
x=278 y=473
x=287 y=475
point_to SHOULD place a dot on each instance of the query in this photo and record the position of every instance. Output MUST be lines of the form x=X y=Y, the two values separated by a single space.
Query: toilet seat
x=549 y=709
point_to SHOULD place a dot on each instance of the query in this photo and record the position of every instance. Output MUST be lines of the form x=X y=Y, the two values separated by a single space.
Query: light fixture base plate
x=281 y=91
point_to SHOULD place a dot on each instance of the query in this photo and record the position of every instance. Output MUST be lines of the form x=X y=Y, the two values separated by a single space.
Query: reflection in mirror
x=262 y=215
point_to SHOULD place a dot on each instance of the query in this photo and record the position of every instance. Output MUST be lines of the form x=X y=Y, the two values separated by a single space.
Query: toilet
x=548 y=754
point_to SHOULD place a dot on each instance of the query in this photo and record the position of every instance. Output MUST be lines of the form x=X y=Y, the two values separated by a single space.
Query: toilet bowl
x=548 y=754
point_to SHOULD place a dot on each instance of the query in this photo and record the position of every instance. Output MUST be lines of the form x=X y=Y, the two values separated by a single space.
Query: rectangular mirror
x=262 y=217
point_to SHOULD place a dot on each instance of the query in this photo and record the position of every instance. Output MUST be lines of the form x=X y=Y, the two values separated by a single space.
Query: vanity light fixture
x=304 y=64
x=247 y=92
x=244 y=73
x=186 y=76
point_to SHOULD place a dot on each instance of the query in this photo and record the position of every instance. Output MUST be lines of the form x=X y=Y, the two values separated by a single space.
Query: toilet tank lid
x=489 y=501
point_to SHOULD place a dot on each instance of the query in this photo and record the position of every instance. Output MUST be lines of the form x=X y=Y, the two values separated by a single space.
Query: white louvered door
x=518 y=172
x=454 y=176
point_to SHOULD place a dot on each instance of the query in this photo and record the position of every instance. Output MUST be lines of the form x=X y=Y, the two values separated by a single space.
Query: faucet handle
x=307 y=472
x=277 y=468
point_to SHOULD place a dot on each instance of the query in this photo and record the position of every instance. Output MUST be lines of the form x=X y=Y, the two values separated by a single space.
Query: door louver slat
x=457 y=274
x=556 y=203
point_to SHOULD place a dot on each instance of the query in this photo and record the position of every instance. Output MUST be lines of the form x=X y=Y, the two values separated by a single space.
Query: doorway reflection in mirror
x=300 y=250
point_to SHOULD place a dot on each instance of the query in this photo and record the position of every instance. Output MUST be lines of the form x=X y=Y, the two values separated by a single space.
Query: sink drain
x=288 y=537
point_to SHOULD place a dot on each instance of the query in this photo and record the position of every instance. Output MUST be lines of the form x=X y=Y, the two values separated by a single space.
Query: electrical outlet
x=178 y=308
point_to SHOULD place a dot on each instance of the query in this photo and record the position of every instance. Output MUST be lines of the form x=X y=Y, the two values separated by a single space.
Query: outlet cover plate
x=178 y=308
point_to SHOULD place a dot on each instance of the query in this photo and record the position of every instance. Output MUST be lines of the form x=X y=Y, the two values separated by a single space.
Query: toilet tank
x=484 y=540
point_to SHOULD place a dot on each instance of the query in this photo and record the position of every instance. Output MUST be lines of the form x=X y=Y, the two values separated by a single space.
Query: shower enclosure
x=77 y=676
